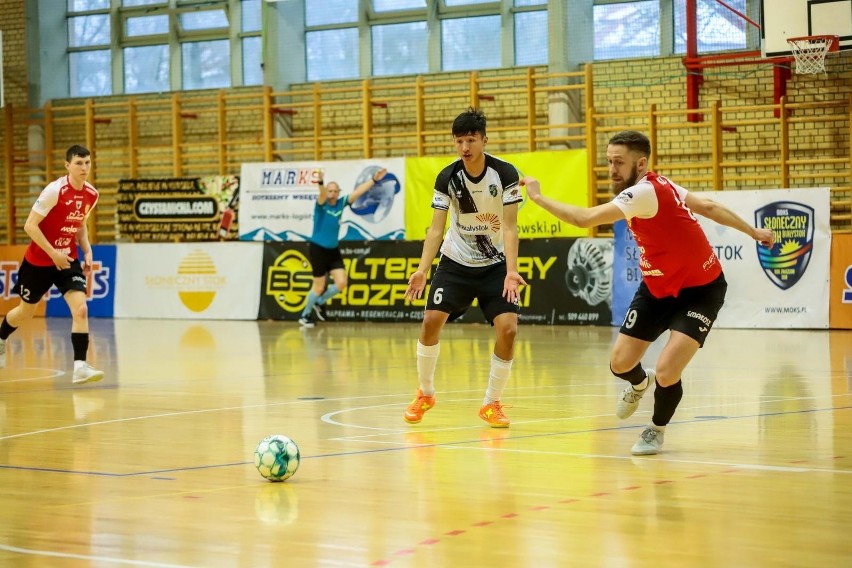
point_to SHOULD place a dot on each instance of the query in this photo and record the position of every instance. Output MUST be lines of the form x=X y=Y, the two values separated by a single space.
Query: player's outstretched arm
x=367 y=185
x=434 y=236
x=323 y=191
x=725 y=216
x=583 y=217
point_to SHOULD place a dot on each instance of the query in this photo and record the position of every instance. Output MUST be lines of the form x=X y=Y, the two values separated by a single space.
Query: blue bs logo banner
x=793 y=224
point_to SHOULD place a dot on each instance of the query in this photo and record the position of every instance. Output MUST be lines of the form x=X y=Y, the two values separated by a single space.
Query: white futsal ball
x=277 y=457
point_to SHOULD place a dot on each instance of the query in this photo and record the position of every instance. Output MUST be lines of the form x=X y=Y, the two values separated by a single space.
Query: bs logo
x=847 y=294
x=289 y=280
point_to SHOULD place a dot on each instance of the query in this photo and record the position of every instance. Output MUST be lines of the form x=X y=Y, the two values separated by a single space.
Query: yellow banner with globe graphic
x=563 y=175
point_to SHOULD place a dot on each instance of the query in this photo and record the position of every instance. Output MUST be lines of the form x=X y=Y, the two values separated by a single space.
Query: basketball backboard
x=781 y=19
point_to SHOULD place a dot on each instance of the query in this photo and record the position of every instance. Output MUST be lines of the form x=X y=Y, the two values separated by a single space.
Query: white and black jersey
x=475 y=234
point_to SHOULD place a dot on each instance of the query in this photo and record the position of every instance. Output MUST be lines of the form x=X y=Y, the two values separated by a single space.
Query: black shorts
x=34 y=281
x=692 y=312
x=324 y=260
x=455 y=286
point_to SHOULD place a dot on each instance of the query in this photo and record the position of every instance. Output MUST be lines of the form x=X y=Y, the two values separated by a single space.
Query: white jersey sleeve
x=47 y=199
x=639 y=200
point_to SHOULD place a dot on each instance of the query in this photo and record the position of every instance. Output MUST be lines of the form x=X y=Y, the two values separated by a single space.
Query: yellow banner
x=563 y=176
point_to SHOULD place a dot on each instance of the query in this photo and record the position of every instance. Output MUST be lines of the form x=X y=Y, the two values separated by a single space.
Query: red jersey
x=65 y=209
x=674 y=251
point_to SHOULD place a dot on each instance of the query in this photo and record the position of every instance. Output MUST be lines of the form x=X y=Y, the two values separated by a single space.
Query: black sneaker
x=319 y=312
x=307 y=321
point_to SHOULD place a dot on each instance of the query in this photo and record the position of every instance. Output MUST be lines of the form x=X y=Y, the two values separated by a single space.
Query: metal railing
x=198 y=134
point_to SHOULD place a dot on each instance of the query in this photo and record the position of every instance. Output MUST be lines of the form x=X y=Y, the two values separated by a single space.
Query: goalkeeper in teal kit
x=324 y=249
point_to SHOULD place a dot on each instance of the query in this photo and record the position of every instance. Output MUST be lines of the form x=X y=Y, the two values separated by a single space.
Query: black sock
x=666 y=400
x=80 y=342
x=6 y=329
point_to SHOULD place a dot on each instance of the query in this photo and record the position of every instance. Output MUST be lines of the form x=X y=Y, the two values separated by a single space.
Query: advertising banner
x=10 y=261
x=188 y=281
x=100 y=287
x=840 y=301
x=625 y=271
x=179 y=209
x=278 y=199
x=785 y=286
x=563 y=176
x=782 y=287
x=569 y=282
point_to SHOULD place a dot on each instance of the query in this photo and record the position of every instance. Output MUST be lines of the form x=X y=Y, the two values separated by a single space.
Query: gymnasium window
x=632 y=28
x=394 y=5
x=332 y=54
x=470 y=43
x=627 y=29
x=400 y=49
x=89 y=65
x=206 y=64
x=162 y=45
x=470 y=34
x=146 y=69
x=719 y=28
x=452 y=3
x=251 y=25
x=531 y=37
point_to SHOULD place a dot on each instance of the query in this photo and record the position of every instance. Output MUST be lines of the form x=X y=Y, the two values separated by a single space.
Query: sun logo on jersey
x=491 y=219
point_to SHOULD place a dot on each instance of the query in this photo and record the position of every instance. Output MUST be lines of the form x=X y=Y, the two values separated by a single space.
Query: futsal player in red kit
x=57 y=226
x=683 y=286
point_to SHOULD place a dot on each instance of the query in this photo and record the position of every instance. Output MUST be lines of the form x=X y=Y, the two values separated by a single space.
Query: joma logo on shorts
x=700 y=317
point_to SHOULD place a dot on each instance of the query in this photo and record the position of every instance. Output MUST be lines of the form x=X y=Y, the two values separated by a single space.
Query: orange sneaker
x=493 y=414
x=418 y=407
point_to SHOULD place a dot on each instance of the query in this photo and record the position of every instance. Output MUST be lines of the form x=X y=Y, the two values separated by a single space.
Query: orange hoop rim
x=833 y=41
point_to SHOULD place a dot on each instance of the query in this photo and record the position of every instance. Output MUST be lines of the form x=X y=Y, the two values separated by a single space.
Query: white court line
x=88 y=557
x=329 y=417
x=656 y=459
x=55 y=373
x=199 y=411
x=188 y=412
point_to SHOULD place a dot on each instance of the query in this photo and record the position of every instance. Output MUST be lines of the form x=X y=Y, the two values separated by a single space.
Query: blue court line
x=417 y=446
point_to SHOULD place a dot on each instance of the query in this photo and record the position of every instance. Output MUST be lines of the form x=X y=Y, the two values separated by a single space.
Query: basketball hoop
x=810 y=52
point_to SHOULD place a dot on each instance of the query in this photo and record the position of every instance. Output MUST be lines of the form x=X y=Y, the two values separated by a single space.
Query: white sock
x=427 y=359
x=497 y=379
x=78 y=364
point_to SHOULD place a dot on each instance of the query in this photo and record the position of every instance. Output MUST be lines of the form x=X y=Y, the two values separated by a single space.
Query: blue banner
x=100 y=288
x=625 y=271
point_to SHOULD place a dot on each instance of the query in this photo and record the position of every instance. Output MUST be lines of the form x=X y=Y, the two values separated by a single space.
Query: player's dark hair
x=471 y=121
x=76 y=150
x=635 y=141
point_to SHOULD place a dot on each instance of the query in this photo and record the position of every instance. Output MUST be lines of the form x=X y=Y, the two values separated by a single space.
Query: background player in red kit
x=57 y=225
x=682 y=286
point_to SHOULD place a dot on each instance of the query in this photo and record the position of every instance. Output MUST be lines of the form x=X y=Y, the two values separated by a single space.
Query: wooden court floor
x=152 y=466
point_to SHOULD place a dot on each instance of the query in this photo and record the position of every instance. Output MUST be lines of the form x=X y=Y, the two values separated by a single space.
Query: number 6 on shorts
x=438 y=295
